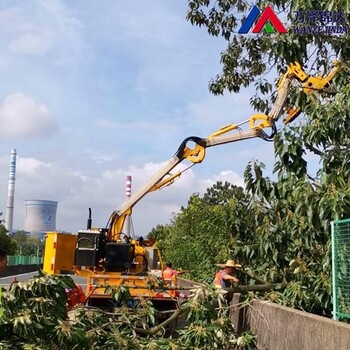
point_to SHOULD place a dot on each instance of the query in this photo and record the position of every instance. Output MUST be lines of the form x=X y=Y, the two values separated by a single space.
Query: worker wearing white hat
x=224 y=277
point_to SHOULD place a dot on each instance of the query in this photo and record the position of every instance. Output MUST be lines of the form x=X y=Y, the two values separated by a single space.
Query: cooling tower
x=40 y=215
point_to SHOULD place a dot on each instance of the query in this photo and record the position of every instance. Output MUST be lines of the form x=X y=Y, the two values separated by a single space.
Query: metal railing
x=341 y=269
x=13 y=260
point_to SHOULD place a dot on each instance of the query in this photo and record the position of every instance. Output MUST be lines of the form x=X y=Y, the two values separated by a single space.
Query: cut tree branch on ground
x=162 y=325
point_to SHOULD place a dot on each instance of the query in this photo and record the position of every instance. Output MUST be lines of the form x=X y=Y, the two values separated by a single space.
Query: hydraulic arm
x=260 y=125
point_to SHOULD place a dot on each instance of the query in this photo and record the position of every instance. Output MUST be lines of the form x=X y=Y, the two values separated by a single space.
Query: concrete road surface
x=6 y=281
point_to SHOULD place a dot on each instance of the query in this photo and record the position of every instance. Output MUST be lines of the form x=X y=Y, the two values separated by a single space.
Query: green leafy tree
x=28 y=245
x=156 y=232
x=35 y=316
x=207 y=230
x=6 y=242
x=292 y=213
x=248 y=58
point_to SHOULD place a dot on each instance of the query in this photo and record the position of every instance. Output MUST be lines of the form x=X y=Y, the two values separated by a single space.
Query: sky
x=93 y=91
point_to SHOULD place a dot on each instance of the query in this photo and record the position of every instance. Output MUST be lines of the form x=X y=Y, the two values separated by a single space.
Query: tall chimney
x=11 y=193
x=128 y=187
x=127 y=223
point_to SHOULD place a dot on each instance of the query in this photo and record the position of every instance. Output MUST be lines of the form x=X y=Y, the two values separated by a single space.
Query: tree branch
x=259 y=279
x=257 y=288
x=156 y=329
x=313 y=149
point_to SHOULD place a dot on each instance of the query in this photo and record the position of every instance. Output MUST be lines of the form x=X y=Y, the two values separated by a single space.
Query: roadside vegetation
x=35 y=316
x=277 y=228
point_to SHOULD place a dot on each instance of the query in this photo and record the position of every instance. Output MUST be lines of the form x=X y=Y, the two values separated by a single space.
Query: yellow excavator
x=108 y=258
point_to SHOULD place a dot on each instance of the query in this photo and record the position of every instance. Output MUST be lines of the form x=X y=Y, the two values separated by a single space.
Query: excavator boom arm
x=258 y=124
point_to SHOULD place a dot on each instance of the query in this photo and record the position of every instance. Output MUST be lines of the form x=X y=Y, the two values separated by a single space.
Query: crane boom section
x=259 y=124
x=141 y=192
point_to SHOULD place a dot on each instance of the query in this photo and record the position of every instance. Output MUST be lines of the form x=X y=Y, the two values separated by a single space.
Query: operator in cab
x=224 y=277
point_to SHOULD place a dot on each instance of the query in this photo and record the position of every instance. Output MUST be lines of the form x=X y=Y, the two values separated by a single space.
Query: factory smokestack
x=11 y=193
x=127 y=222
x=128 y=187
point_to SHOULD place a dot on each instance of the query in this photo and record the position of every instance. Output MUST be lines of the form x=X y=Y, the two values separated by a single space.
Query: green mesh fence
x=24 y=260
x=341 y=268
